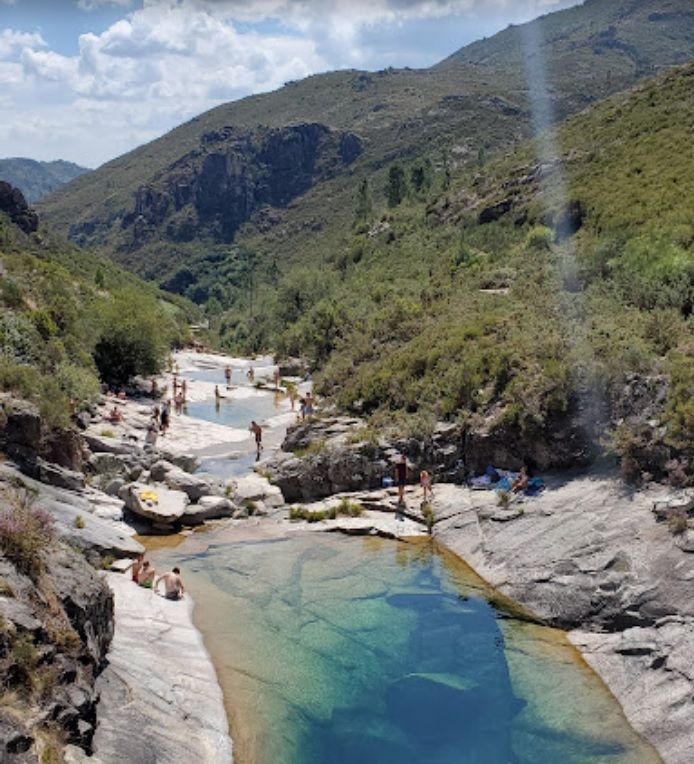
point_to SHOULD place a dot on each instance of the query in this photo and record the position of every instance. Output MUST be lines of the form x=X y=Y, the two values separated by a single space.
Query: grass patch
x=345 y=508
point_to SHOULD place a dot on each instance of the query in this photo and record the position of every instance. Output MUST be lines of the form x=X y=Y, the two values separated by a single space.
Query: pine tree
x=363 y=207
x=396 y=187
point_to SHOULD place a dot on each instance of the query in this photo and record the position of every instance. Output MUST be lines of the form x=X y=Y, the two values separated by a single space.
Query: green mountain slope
x=59 y=305
x=538 y=303
x=38 y=179
x=153 y=211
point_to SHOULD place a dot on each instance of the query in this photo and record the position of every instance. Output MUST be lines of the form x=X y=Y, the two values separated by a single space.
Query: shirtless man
x=146 y=575
x=257 y=431
x=173 y=585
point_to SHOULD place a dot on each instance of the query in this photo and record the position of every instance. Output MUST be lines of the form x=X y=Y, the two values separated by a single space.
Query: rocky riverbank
x=57 y=620
x=590 y=555
x=610 y=564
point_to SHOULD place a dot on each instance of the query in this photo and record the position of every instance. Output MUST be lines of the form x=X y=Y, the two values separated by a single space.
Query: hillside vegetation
x=58 y=306
x=38 y=179
x=151 y=209
x=481 y=303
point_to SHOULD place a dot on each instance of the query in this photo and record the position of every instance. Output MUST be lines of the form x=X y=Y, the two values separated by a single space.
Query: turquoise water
x=234 y=412
x=335 y=650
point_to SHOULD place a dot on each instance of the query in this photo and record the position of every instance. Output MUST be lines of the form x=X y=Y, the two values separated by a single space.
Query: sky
x=88 y=80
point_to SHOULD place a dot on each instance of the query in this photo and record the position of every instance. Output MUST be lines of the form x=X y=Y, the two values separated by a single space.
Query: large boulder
x=208 y=508
x=61 y=477
x=194 y=486
x=159 y=505
x=256 y=488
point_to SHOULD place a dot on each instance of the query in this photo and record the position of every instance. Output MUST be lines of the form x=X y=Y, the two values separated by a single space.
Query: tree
x=363 y=207
x=396 y=186
x=134 y=338
x=420 y=176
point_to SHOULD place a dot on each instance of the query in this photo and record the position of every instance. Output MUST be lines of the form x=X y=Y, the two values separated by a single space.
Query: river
x=338 y=650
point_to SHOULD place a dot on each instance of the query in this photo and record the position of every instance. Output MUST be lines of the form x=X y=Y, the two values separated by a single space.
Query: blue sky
x=87 y=80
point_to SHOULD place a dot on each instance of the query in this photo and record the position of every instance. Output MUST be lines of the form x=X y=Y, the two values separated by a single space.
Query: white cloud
x=13 y=42
x=92 y=5
x=172 y=59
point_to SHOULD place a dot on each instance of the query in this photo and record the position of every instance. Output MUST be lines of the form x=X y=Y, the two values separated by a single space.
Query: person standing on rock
x=425 y=482
x=250 y=374
x=227 y=376
x=257 y=431
x=401 y=477
x=173 y=585
x=165 y=416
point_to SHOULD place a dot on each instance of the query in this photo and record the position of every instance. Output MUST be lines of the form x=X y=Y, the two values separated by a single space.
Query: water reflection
x=345 y=651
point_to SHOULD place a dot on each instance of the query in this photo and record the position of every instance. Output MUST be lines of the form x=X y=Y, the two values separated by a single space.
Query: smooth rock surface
x=256 y=488
x=588 y=554
x=160 y=682
x=168 y=508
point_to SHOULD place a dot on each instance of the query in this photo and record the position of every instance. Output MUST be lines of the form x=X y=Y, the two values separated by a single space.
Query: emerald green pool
x=336 y=650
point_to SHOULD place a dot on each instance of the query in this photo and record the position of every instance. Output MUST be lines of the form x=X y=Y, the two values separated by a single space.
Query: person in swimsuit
x=136 y=566
x=425 y=482
x=146 y=575
x=227 y=375
x=257 y=431
x=173 y=585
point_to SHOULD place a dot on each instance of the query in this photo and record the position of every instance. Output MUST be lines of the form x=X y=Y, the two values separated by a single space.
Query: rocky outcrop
x=214 y=189
x=161 y=506
x=13 y=203
x=327 y=456
x=588 y=554
x=56 y=629
x=160 y=682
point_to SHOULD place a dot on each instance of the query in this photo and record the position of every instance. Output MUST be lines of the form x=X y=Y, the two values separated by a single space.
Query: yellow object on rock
x=148 y=496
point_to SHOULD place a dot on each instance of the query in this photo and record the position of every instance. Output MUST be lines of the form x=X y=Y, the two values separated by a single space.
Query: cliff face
x=12 y=202
x=211 y=191
x=56 y=624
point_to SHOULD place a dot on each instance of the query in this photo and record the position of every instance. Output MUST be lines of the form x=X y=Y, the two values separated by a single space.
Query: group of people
x=180 y=391
x=144 y=575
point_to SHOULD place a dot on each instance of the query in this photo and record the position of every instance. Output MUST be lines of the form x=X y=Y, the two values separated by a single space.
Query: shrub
x=677 y=522
x=79 y=522
x=25 y=532
x=133 y=340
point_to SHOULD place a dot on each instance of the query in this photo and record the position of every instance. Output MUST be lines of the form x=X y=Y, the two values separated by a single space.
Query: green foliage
x=363 y=205
x=134 y=339
x=345 y=507
x=25 y=532
x=396 y=186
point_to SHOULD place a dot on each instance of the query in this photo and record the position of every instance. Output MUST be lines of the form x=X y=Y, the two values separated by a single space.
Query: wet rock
x=160 y=682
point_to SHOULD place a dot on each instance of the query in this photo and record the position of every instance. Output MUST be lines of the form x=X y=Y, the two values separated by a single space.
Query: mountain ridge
x=36 y=179
x=461 y=106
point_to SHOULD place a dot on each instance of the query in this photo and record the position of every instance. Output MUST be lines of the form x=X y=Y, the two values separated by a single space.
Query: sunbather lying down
x=504 y=480
x=521 y=482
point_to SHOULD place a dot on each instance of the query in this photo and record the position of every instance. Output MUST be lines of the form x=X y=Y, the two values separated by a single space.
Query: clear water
x=236 y=412
x=335 y=650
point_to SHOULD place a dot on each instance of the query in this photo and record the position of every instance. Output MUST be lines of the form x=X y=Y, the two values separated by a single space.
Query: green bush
x=134 y=339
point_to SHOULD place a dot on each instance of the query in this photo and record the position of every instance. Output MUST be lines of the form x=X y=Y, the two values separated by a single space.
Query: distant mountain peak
x=37 y=179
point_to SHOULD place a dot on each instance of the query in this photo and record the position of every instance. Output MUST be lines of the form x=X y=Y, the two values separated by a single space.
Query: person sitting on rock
x=146 y=575
x=136 y=566
x=115 y=415
x=173 y=585
x=521 y=482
